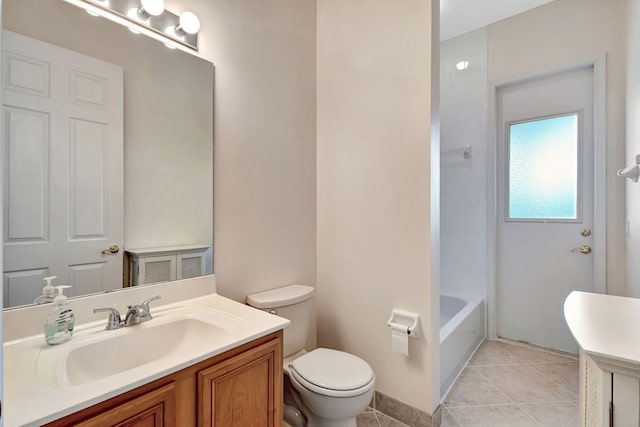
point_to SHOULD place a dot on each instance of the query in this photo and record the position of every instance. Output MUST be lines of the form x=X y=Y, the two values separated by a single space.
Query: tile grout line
x=538 y=348
x=537 y=372
x=400 y=423
x=460 y=424
x=565 y=388
x=375 y=415
x=530 y=366
x=509 y=398
x=521 y=363
x=497 y=388
x=511 y=404
x=504 y=348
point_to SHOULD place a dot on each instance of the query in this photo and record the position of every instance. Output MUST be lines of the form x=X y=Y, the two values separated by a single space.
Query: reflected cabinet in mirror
x=108 y=154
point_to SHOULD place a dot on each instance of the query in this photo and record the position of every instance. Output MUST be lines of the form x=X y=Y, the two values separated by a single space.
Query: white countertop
x=606 y=327
x=29 y=401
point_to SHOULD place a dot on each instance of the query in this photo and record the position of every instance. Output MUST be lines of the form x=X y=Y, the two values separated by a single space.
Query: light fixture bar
x=154 y=27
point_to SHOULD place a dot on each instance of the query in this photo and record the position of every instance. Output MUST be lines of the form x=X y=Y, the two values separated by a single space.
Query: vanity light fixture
x=148 y=17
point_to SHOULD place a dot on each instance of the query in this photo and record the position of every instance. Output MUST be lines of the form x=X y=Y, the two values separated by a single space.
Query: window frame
x=579 y=173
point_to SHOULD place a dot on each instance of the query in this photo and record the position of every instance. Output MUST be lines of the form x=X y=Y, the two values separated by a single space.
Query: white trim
x=1 y=239
x=599 y=65
x=600 y=173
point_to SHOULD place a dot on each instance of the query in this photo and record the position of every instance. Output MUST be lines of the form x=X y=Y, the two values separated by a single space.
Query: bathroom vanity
x=201 y=360
x=605 y=327
x=242 y=386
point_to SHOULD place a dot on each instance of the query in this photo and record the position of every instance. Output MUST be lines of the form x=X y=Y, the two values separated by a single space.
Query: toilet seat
x=333 y=373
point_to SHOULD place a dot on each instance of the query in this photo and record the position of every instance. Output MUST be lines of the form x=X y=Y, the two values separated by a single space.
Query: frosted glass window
x=543 y=169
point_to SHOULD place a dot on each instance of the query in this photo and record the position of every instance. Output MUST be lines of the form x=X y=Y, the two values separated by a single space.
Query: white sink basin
x=180 y=333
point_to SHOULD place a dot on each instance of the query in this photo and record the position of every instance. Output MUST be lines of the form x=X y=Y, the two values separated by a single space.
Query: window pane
x=543 y=168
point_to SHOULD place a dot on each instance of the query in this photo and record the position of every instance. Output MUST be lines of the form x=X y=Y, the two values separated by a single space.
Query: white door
x=545 y=205
x=63 y=169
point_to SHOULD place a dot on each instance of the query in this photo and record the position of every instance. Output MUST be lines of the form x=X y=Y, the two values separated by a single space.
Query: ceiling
x=460 y=16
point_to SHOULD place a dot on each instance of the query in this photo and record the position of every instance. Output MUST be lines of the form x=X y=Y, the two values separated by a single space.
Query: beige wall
x=556 y=34
x=633 y=148
x=374 y=187
x=265 y=152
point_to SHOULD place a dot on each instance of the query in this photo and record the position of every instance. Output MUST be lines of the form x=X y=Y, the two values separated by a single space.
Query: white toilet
x=331 y=387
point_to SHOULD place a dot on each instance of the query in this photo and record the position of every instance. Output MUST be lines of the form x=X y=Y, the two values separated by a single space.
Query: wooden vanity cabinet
x=239 y=388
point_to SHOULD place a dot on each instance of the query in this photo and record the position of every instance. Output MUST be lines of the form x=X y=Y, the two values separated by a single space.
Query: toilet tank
x=294 y=303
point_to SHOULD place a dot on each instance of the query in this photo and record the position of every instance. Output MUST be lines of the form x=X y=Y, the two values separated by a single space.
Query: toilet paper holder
x=407 y=319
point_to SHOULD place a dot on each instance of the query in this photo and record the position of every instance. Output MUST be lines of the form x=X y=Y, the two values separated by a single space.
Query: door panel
x=63 y=161
x=537 y=268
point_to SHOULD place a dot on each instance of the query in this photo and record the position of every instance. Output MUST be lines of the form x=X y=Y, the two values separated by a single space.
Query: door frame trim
x=599 y=65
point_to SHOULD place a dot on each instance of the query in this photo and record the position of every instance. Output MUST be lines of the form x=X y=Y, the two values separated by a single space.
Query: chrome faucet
x=136 y=314
x=114 y=321
x=139 y=313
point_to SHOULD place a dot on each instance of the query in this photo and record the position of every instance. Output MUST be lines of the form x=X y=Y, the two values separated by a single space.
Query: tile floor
x=372 y=418
x=515 y=385
x=506 y=384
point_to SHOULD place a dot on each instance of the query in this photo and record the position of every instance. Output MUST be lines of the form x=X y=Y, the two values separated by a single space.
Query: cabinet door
x=157 y=269
x=626 y=400
x=596 y=393
x=243 y=391
x=154 y=409
x=191 y=265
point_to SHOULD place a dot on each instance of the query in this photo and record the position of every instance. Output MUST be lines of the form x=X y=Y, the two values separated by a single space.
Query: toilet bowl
x=334 y=387
x=329 y=387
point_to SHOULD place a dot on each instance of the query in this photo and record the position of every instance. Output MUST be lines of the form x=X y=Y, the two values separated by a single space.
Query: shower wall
x=463 y=198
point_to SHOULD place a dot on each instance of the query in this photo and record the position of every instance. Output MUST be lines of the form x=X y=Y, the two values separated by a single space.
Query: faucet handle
x=114 y=321
x=145 y=304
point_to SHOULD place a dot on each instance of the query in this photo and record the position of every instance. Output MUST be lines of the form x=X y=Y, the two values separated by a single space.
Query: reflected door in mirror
x=63 y=142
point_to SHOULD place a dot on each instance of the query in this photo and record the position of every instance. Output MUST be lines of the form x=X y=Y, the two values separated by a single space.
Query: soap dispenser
x=58 y=327
x=48 y=291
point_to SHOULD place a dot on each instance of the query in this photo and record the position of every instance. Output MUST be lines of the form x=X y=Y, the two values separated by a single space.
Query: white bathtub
x=461 y=331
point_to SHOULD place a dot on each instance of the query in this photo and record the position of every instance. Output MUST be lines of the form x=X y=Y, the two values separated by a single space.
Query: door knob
x=584 y=249
x=112 y=250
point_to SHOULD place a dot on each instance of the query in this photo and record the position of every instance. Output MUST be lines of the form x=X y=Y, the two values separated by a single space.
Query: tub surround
x=31 y=402
x=461 y=332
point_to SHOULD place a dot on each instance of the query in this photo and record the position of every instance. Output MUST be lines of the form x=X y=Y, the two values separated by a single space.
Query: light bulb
x=152 y=7
x=462 y=65
x=189 y=23
x=134 y=14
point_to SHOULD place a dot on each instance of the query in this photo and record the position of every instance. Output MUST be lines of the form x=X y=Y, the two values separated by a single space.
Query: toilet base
x=292 y=397
x=324 y=422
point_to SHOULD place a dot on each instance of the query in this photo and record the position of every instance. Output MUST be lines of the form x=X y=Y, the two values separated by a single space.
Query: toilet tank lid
x=280 y=297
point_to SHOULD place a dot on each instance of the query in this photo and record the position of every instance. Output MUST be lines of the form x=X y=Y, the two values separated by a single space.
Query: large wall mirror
x=108 y=154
